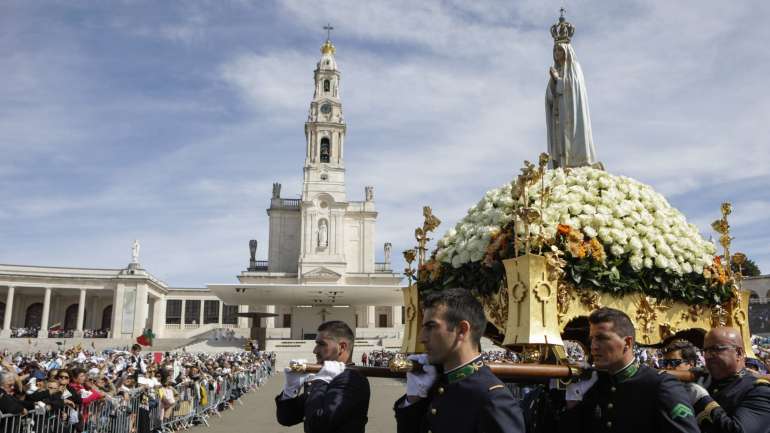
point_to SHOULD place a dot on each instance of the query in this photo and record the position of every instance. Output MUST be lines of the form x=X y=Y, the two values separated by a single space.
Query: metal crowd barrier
x=145 y=411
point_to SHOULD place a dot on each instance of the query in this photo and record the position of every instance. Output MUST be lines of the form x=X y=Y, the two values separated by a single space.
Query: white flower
x=590 y=232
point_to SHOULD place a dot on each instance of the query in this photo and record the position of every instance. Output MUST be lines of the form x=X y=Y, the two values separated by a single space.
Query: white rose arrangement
x=635 y=225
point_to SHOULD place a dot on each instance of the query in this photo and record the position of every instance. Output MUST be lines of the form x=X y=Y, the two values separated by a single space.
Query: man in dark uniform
x=736 y=400
x=336 y=399
x=456 y=393
x=626 y=396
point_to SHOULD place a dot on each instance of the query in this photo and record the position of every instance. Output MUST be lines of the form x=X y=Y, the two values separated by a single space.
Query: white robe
x=570 y=142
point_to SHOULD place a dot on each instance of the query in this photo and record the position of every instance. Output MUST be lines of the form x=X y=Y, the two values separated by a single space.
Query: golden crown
x=562 y=31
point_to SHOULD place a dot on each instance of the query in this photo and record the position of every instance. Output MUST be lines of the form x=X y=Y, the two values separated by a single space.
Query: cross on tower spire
x=328 y=28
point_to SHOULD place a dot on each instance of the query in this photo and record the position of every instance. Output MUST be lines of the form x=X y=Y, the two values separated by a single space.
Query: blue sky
x=168 y=122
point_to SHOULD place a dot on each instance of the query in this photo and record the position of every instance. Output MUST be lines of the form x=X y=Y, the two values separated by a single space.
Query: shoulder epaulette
x=762 y=381
x=494 y=387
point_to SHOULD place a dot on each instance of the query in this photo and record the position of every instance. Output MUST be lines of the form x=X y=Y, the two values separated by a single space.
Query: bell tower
x=324 y=170
x=324 y=201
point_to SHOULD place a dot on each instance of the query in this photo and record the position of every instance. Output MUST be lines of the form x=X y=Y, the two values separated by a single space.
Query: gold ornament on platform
x=413 y=319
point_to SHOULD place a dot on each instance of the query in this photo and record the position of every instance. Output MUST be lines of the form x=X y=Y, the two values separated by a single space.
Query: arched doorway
x=34 y=315
x=71 y=317
x=2 y=312
x=107 y=317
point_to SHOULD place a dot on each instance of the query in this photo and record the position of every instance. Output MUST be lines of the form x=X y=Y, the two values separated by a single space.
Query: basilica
x=320 y=266
x=321 y=255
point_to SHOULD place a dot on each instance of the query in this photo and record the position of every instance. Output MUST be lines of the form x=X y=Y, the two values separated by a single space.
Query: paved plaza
x=257 y=414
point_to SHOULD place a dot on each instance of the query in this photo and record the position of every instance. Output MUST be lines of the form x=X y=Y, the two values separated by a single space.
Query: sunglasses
x=63 y=377
x=670 y=363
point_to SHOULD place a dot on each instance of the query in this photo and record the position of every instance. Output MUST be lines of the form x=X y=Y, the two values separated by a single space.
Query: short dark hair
x=338 y=329
x=621 y=323
x=460 y=305
x=136 y=347
x=687 y=349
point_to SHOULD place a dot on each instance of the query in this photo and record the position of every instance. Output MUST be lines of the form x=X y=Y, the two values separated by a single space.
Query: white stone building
x=321 y=255
x=118 y=304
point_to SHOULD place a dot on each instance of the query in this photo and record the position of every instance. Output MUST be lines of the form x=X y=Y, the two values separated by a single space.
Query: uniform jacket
x=478 y=402
x=636 y=399
x=341 y=406
x=739 y=404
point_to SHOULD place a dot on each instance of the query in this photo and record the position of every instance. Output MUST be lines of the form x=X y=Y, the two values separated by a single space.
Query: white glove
x=696 y=392
x=330 y=370
x=418 y=384
x=576 y=391
x=294 y=380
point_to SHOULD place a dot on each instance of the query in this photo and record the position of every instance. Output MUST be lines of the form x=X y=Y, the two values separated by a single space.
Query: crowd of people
x=69 y=385
x=33 y=332
x=378 y=358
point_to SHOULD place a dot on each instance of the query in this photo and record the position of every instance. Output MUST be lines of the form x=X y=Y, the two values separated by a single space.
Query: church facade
x=321 y=254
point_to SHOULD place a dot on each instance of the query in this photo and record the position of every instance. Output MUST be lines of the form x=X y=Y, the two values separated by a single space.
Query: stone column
x=117 y=312
x=6 y=332
x=270 y=321
x=371 y=321
x=46 y=314
x=243 y=322
x=140 y=312
x=81 y=313
x=158 y=317
x=221 y=310
x=396 y=316
x=182 y=319
x=202 y=309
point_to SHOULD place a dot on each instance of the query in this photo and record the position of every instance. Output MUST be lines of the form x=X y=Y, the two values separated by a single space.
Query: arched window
x=107 y=317
x=34 y=315
x=71 y=317
x=327 y=85
x=325 y=150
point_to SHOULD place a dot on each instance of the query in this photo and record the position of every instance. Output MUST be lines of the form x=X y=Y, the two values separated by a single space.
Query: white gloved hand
x=696 y=392
x=330 y=370
x=576 y=391
x=294 y=380
x=418 y=384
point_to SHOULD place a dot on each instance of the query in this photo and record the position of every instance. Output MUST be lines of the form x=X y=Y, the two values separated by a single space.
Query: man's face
x=52 y=387
x=435 y=334
x=8 y=386
x=674 y=361
x=723 y=358
x=608 y=349
x=326 y=348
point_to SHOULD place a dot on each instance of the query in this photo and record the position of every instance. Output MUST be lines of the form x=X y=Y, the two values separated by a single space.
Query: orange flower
x=597 y=250
x=563 y=229
x=577 y=250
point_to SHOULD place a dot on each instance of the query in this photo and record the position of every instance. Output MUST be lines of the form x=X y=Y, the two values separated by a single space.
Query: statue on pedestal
x=276 y=190
x=388 y=248
x=323 y=234
x=253 y=255
x=135 y=252
x=570 y=142
x=369 y=193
